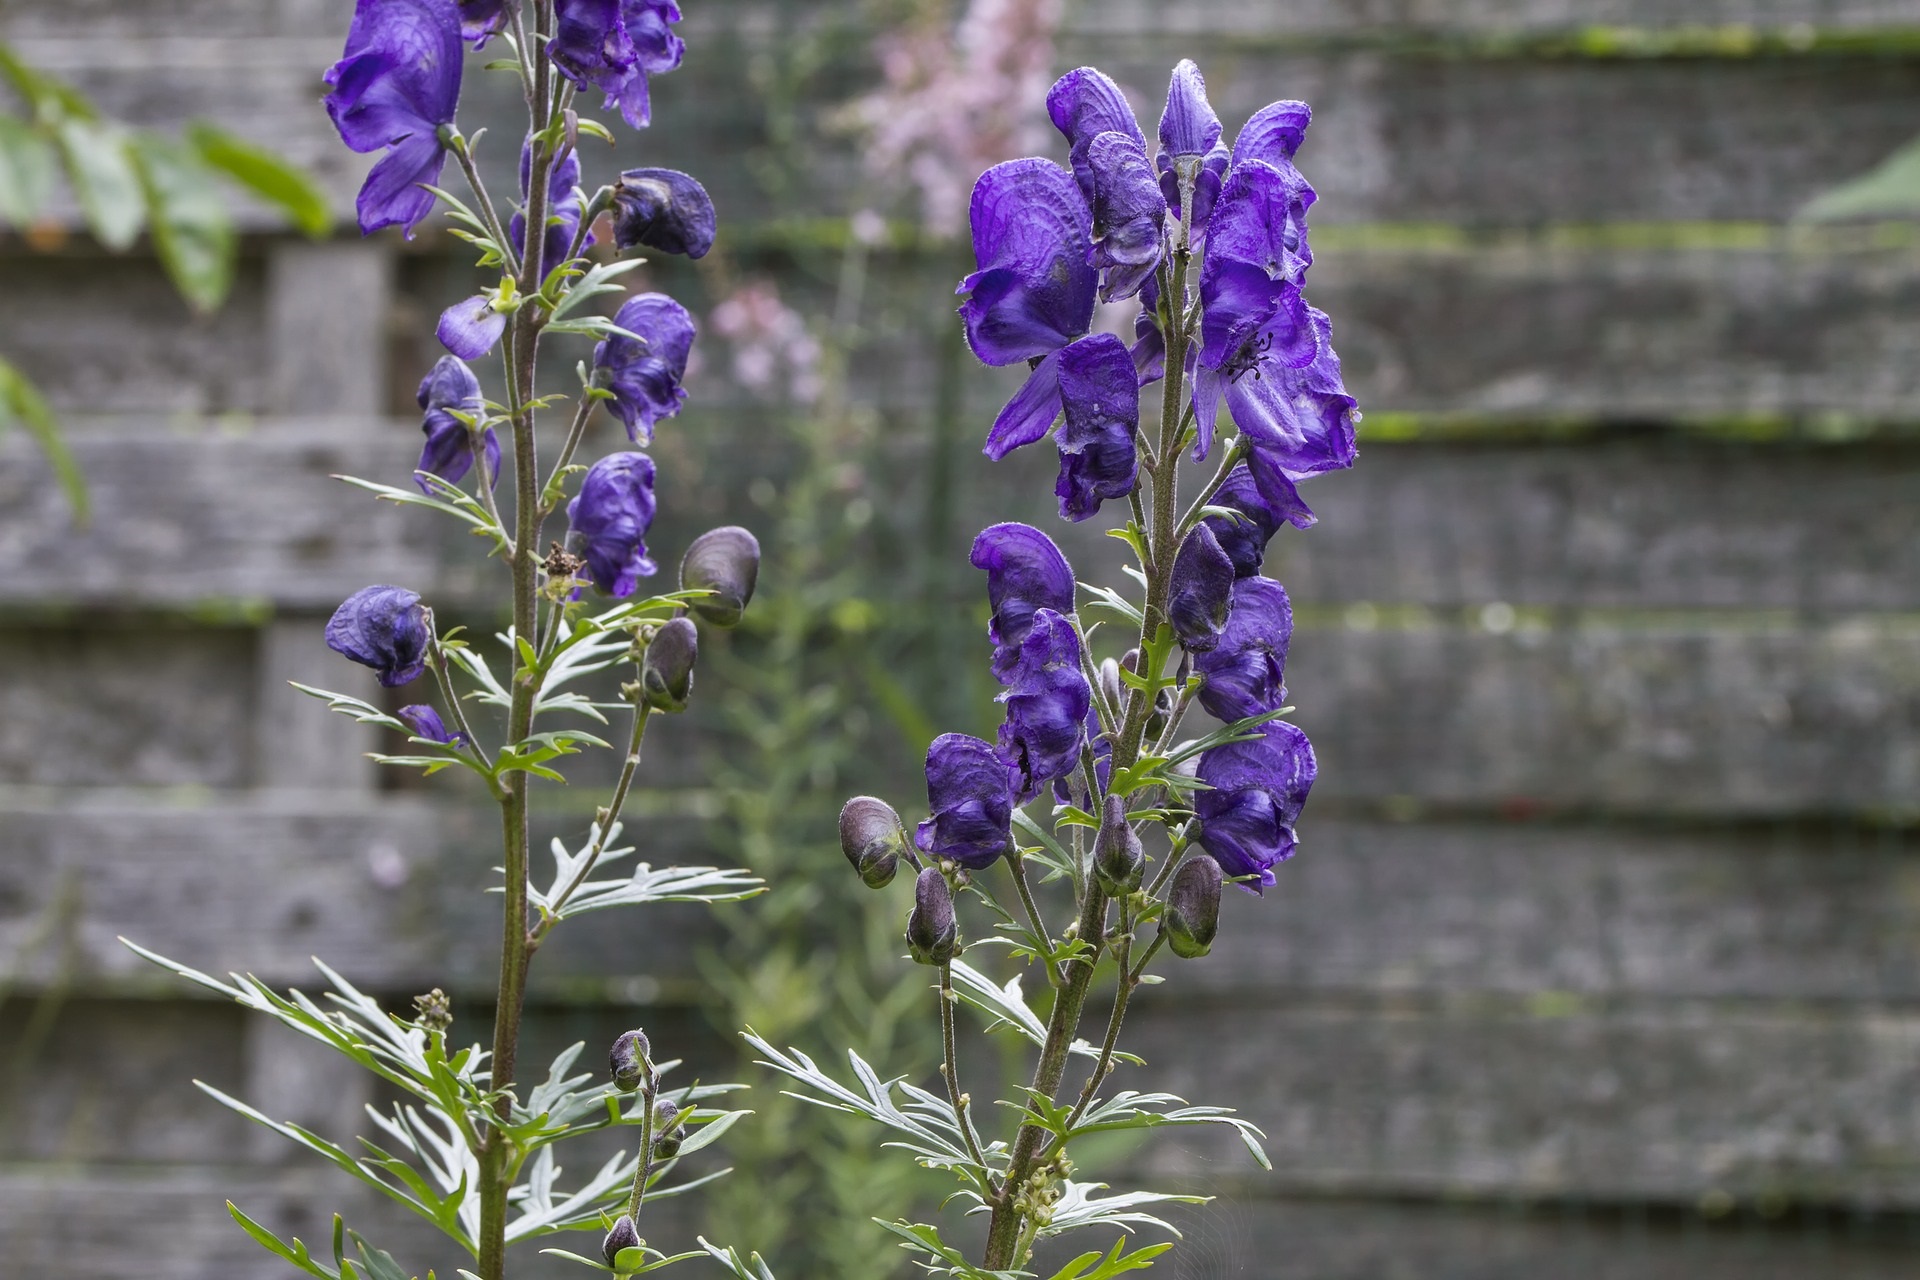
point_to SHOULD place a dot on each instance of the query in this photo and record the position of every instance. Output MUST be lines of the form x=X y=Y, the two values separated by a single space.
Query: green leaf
x=101 y=168
x=295 y=1253
x=191 y=228
x=1115 y=1262
x=1891 y=190
x=378 y=1262
x=26 y=171
x=20 y=404
x=284 y=186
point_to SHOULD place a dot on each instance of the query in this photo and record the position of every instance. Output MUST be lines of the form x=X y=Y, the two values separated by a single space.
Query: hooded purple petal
x=470 y=328
x=1031 y=413
x=481 y=20
x=1149 y=344
x=384 y=628
x=1101 y=396
x=425 y=722
x=1129 y=214
x=663 y=209
x=1245 y=673
x=1083 y=104
x=644 y=374
x=396 y=83
x=1025 y=573
x=1047 y=703
x=1034 y=290
x=1200 y=590
x=1273 y=133
x=1189 y=126
x=1245 y=538
x=1259 y=788
x=448 y=452
x=610 y=518
x=1300 y=419
x=1252 y=271
x=968 y=790
x=614 y=46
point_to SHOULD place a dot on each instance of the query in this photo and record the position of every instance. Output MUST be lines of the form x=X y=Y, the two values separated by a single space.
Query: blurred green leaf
x=1890 y=191
x=101 y=167
x=26 y=171
x=51 y=101
x=280 y=184
x=191 y=229
x=20 y=403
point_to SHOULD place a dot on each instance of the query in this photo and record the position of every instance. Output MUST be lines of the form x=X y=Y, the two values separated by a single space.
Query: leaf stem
x=603 y=830
x=1018 y=866
x=950 y=1069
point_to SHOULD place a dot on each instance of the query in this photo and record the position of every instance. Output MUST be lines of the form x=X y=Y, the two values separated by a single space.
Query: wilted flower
x=610 y=517
x=872 y=838
x=725 y=561
x=969 y=791
x=1244 y=675
x=666 y=673
x=644 y=372
x=614 y=45
x=630 y=1060
x=1192 y=915
x=384 y=628
x=1047 y=702
x=394 y=87
x=1258 y=789
x=662 y=209
x=425 y=722
x=1025 y=573
x=1200 y=591
x=448 y=453
x=933 y=933
x=470 y=327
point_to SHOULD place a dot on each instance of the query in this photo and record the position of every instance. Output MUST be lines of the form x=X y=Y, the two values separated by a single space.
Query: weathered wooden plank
x=327 y=314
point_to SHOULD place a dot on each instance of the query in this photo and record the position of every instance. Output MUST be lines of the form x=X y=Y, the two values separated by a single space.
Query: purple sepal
x=610 y=517
x=1030 y=413
x=1025 y=573
x=481 y=20
x=1244 y=538
x=1101 y=398
x=1189 y=126
x=1273 y=133
x=426 y=723
x=1033 y=291
x=384 y=628
x=448 y=452
x=1259 y=788
x=1071 y=788
x=1200 y=591
x=1129 y=215
x=1245 y=674
x=615 y=45
x=1299 y=419
x=1149 y=343
x=644 y=374
x=566 y=204
x=663 y=209
x=396 y=83
x=1083 y=104
x=1047 y=701
x=969 y=792
x=470 y=327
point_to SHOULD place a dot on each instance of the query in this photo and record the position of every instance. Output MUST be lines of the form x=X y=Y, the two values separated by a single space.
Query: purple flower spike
x=969 y=793
x=481 y=20
x=384 y=628
x=470 y=328
x=448 y=453
x=397 y=82
x=1189 y=126
x=426 y=723
x=644 y=374
x=1047 y=706
x=1083 y=104
x=1129 y=214
x=1101 y=396
x=1246 y=672
x=662 y=209
x=1025 y=573
x=1034 y=290
x=1259 y=787
x=615 y=45
x=1200 y=593
x=1245 y=538
x=566 y=203
x=610 y=518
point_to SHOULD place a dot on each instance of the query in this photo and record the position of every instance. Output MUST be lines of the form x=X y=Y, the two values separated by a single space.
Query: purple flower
x=425 y=722
x=663 y=209
x=644 y=372
x=448 y=453
x=1101 y=399
x=1083 y=104
x=610 y=518
x=1245 y=538
x=1298 y=420
x=1025 y=573
x=1258 y=789
x=470 y=327
x=968 y=791
x=614 y=45
x=1200 y=591
x=1129 y=214
x=1189 y=126
x=394 y=87
x=566 y=204
x=1047 y=705
x=1033 y=291
x=384 y=628
x=481 y=20
x=1245 y=674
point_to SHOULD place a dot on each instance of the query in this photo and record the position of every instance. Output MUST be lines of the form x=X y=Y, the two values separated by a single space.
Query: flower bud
x=1111 y=687
x=932 y=933
x=667 y=1136
x=666 y=674
x=1118 y=859
x=872 y=838
x=725 y=561
x=1193 y=907
x=629 y=1061
x=662 y=209
x=623 y=1236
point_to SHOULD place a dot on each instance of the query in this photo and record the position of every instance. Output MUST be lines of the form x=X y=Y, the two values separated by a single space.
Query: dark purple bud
x=1244 y=536
x=623 y=1236
x=1258 y=787
x=1189 y=126
x=1244 y=675
x=470 y=328
x=1118 y=859
x=1299 y=420
x=1025 y=573
x=425 y=722
x=481 y=20
x=397 y=82
x=384 y=628
x=1129 y=214
x=1047 y=703
x=610 y=517
x=666 y=674
x=933 y=935
x=644 y=372
x=630 y=1061
x=969 y=792
x=1192 y=916
x=1200 y=591
x=873 y=839
x=668 y=1135
x=1084 y=104
x=615 y=45
x=450 y=386
x=662 y=209
x=566 y=204
x=1033 y=291
x=725 y=561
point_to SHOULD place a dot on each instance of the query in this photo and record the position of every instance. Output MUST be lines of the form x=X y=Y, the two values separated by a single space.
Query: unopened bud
x=725 y=561
x=1118 y=859
x=872 y=838
x=932 y=933
x=629 y=1061
x=666 y=674
x=623 y=1236
x=1193 y=907
x=1110 y=686
x=667 y=1136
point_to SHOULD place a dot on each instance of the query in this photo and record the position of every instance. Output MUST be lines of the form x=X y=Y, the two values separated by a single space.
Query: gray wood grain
x=327 y=307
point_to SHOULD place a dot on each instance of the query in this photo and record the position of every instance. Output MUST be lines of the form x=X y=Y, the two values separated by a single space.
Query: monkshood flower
x=1299 y=422
x=662 y=209
x=1083 y=104
x=470 y=327
x=644 y=371
x=1190 y=142
x=1101 y=397
x=1244 y=538
x=614 y=46
x=425 y=722
x=384 y=628
x=448 y=453
x=1258 y=789
x=1109 y=158
x=1025 y=573
x=1192 y=917
x=933 y=931
x=970 y=793
x=1200 y=591
x=395 y=85
x=566 y=204
x=610 y=517
x=1047 y=702
x=481 y=20
x=1245 y=674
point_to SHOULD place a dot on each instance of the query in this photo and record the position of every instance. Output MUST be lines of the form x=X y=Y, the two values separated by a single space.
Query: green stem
x=1103 y=1066
x=604 y=829
x=638 y=1195
x=950 y=1068
x=1018 y=866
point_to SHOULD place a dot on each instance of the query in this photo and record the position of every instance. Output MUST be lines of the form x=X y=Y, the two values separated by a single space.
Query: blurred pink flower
x=773 y=353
